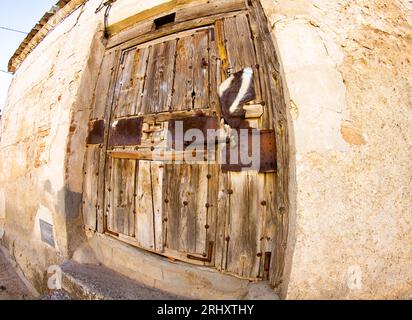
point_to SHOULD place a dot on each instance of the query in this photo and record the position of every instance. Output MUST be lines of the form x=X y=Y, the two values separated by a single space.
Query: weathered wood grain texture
x=166 y=75
x=141 y=58
x=183 y=82
x=279 y=119
x=212 y=211
x=201 y=70
x=191 y=81
x=243 y=225
x=124 y=97
x=240 y=48
x=103 y=168
x=102 y=91
x=91 y=170
x=159 y=78
x=121 y=211
x=145 y=228
x=169 y=31
x=156 y=173
x=108 y=218
x=185 y=199
x=187 y=13
x=207 y=8
x=221 y=48
x=214 y=73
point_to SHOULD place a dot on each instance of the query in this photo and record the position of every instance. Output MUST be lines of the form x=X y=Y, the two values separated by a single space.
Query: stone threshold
x=173 y=278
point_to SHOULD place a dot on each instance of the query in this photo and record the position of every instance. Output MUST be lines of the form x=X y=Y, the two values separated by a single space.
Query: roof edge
x=50 y=19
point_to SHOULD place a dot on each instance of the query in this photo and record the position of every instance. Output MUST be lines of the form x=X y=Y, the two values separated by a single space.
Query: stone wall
x=348 y=71
x=42 y=146
x=346 y=66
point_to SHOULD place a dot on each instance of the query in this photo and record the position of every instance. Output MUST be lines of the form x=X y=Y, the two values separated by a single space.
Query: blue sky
x=21 y=15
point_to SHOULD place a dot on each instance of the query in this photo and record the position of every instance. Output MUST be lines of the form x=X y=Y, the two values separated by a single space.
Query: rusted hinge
x=208 y=257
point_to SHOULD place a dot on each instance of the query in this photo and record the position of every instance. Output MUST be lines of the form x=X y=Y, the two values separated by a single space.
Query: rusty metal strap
x=126 y=132
x=267 y=153
x=96 y=132
x=202 y=123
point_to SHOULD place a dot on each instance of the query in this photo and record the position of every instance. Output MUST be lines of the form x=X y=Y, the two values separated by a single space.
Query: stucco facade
x=346 y=67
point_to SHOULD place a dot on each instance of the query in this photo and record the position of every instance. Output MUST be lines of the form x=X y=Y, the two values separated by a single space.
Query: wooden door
x=194 y=212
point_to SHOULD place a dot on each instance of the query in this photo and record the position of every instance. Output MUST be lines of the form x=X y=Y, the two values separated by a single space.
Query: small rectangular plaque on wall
x=46 y=231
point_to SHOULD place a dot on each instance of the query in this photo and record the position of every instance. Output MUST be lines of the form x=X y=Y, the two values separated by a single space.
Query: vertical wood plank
x=142 y=57
x=244 y=225
x=257 y=210
x=221 y=47
x=151 y=91
x=157 y=198
x=270 y=216
x=183 y=82
x=222 y=220
x=200 y=209
x=240 y=47
x=122 y=196
x=126 y=95
x=176 y=218
x=102 y=91
x=166 y=74
x=214 y=73
x=104 y=173
x=212 y=211
x=201 y=65
x=109 y=218
x=186 y=207
x=91 y=169
x=144 y=207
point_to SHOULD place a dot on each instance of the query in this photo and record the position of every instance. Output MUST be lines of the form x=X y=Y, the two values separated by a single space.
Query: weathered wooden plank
x=104 y=173
x=144 y=207
x=201 y=209
x=240 y=48
x=243 y=226
x=270 y=223
x=122 y=199
x=223 y=207
x=183 y=82
x=212 y=209
x=109 y=218
x=125 y=96
x=266 y=121
x=159 y=155
x=142 y=57
x=248 y=51
x=102 y=91
x=157 y=199
x=279 y=119
x=173 y=29
x=166 y=74
x=208 y=8
x=91 y=169
x=201 y=70
x=176 y=221
x=159 y=78
x=221 y=49
x=185 y=207
x=257 y=210
x=129 y=33
x=151 y=92
x=214 y=73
